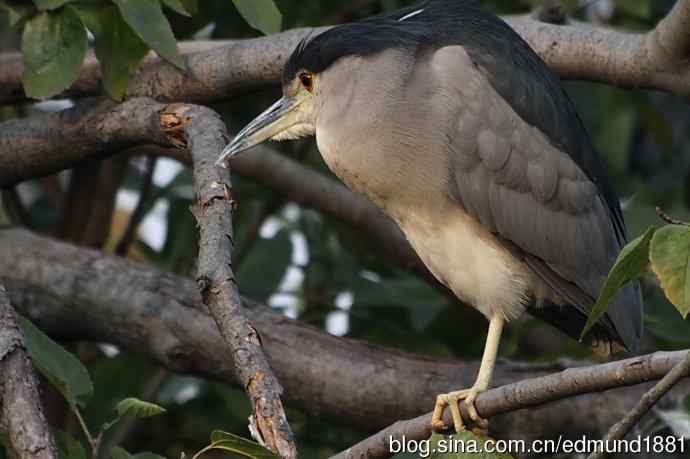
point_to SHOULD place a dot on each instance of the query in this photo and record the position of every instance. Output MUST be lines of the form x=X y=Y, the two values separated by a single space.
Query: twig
x=519 y=395
x=138 y=214
x=21 y=413
x=648 y=400
x=204 y=133
x=668 y=219
x=94 y=442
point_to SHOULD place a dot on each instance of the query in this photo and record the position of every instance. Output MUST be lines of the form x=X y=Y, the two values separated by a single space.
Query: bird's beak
x=277 y=118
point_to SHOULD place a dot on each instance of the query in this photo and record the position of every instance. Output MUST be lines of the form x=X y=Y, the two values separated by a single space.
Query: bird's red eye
x=307 y=80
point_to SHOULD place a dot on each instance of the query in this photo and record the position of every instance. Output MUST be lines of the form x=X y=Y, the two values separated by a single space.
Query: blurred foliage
x=308 y=264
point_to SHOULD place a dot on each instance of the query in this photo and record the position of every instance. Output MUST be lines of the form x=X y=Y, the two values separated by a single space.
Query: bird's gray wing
x=532 y=194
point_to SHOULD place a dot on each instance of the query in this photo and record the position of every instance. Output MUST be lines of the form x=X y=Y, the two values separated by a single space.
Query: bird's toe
x=452 y=400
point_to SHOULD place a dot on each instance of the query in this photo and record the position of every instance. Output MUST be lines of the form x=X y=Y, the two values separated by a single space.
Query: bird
x=444 y=117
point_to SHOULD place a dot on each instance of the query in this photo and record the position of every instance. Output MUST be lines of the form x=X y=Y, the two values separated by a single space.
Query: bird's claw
x=452 y=400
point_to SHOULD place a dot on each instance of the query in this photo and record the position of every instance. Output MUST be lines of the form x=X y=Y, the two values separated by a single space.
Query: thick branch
x=658 y=59
x=204 y=132
x=21 y=413
x=81 y=294
x=43 y=145
x=673 y=32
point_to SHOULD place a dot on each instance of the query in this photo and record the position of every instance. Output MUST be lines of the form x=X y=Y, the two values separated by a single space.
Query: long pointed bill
x=276 y=119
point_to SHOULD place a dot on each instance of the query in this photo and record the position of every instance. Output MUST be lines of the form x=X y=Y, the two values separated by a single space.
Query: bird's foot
x=452 y=400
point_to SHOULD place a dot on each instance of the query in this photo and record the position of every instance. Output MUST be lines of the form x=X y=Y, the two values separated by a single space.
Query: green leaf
x=138 y=408
x=54 y=45
x=632 y=262
x=68 y=447
x=462 y=445
x=118 y=48
x=149 y=22
x=60 y=367
x=177 y=6
x=236 y=445
x=670 y=257
x=262 y=15
x=49 y=4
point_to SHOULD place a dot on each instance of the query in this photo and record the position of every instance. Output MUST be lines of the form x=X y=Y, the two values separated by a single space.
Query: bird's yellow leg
x=486 y=370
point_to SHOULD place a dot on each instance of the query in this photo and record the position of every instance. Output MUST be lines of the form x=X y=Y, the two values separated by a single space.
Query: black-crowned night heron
x=447 y=120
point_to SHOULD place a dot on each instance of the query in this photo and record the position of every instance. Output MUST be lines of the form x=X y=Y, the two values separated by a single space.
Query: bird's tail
x=603 y=345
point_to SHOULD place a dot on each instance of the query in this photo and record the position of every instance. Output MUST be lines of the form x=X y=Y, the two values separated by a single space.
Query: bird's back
x=535 y=93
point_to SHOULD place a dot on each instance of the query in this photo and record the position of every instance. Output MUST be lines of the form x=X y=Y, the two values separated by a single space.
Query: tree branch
x=655 y=60
x=78 y=293
x=95 y=129
x=648 y=400
x=529 y=393
x=204 y=132
x=21 y=414
x=673 y=32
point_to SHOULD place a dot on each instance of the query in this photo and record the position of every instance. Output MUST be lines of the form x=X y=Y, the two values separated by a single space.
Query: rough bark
x=21 y=413
x=43 y=145
x=78 y=293
x=203 y=132
x=657 y=59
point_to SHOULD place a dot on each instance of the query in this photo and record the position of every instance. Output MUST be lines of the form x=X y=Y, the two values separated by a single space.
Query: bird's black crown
x=436 y=23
